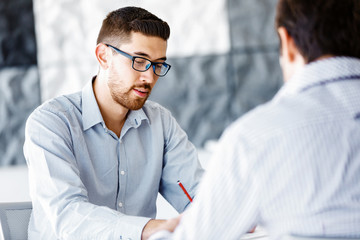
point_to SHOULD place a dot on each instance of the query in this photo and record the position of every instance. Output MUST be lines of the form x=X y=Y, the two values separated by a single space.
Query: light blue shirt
x=291 y=166
x=86 y=183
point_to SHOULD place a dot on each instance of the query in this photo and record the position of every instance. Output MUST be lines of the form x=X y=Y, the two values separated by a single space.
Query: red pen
x=184 y=190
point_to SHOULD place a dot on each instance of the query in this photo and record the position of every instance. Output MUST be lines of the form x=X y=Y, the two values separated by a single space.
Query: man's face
x=127 y=86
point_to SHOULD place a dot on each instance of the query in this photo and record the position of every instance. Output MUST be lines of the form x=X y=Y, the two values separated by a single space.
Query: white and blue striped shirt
x=291 y=165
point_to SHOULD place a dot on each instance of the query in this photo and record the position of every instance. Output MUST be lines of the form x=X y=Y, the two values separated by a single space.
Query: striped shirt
x=87 y=183
x=291 y=165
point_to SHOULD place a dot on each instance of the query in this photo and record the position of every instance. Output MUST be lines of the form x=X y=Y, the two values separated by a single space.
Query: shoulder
x=60 y=107
x=274 y=119
x=161 y=117
x=62 y=103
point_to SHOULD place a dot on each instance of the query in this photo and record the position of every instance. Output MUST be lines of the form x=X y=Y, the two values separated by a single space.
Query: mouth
x=141 y=92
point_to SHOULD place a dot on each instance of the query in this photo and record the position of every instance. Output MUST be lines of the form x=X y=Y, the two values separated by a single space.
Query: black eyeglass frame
x=153 y=64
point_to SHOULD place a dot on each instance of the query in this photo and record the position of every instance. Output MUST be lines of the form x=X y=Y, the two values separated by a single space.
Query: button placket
x=122 y=173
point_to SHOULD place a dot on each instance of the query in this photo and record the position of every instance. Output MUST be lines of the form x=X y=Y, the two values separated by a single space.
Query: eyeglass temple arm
x=119 y=51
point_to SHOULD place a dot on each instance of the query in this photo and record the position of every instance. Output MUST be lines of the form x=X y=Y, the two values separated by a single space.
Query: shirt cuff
x=130 y=227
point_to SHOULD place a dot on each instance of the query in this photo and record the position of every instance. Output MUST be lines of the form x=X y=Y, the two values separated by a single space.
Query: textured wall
x=19 y=80
x=224 y=58
x=206 y=93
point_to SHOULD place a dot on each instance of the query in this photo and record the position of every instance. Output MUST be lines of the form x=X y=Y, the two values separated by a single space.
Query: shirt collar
x=135 y=117
x=315 y=72
x=91 y=114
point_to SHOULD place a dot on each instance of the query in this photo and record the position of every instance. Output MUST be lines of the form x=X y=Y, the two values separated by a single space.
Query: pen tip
x=178 y=181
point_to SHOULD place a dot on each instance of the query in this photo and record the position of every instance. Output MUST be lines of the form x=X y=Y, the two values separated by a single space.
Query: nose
x=149 y=75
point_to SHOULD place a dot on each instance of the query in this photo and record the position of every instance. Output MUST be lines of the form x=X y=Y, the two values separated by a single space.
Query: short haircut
x=321 y=27
x=118 y=25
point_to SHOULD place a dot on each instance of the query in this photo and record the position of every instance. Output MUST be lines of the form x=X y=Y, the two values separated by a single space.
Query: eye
x=140 y=61
x=158 y=66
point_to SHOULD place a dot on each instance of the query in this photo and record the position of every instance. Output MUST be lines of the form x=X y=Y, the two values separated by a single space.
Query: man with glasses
x=98 y=158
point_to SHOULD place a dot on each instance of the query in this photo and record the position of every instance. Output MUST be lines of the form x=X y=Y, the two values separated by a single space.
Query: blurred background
x=224 y=57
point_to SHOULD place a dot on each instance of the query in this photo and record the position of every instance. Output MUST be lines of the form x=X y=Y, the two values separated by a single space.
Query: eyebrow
x=142 y=54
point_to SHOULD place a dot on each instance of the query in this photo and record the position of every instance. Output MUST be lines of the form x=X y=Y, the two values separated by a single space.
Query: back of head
x=322 y=27
x=118 y=25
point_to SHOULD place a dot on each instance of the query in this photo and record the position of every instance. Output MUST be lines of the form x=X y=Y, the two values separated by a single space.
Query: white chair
x=14 y=220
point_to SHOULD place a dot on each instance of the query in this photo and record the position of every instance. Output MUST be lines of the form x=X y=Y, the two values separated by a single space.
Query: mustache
x=146 y=86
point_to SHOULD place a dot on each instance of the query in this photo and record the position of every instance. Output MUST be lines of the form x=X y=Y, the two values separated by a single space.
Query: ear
x=103 y=56
x=289 y=50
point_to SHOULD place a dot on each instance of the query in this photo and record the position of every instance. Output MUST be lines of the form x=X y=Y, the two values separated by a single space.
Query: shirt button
x=120 y=204
x=122 y=172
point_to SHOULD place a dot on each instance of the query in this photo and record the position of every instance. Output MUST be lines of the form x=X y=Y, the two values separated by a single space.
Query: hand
x=150 y=228
x=154 y=226
x=252 y=230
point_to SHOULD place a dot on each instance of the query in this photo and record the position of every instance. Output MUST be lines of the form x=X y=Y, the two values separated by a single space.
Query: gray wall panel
x=19 y=79
x=196 y=91
x=252 y=23
x=19 y=95
x=256 y=78
x=17 y=34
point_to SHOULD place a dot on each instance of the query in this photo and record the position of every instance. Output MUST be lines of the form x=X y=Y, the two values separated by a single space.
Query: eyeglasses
x=142 y=64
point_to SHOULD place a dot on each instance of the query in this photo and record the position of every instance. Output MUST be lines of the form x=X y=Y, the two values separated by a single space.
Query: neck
x=324 y=57
x=113 y=113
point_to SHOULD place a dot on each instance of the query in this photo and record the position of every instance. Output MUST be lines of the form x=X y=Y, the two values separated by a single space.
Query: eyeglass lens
x=142 y=64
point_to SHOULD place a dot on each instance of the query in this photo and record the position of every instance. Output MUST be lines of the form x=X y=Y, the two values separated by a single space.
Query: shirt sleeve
x=56 y=188
x=161 y=235
x=180 y=162
x=226 y=205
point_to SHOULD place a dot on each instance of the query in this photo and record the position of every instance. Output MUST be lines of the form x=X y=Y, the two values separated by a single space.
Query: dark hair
x=321 y=27
x=118 y=25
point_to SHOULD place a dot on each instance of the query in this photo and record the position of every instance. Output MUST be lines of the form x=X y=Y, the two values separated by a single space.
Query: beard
x=126 y=98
